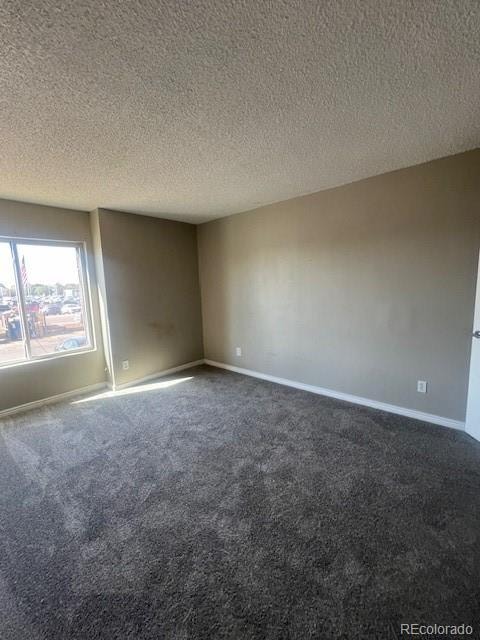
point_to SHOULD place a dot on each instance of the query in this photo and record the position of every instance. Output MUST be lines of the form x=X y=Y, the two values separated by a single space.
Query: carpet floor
x=213 y=505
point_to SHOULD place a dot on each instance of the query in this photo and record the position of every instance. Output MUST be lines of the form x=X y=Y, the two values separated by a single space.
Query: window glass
x=12 y=346
x=51 y=277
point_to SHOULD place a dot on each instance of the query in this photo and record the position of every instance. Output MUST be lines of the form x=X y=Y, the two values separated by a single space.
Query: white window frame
x=85 y=291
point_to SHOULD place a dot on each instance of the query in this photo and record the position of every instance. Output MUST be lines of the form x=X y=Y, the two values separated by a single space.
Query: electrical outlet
x=125 y=365
x=422 y=386
x=238 y=351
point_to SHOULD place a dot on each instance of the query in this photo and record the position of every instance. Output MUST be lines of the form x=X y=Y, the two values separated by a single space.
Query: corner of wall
x=102 y=294
x=197 y=242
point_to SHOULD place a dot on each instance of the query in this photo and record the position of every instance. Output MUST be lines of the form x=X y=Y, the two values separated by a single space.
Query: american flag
x=24 y=273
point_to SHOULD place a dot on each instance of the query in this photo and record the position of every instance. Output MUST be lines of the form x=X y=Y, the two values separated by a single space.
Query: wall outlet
x=125 y=365
x=422 y=386
x=238 y=351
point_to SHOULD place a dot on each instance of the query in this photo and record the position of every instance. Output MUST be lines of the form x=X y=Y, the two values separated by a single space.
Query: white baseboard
x=159 y=374
x=374 y=404
x=94 y=387
x=52 y=399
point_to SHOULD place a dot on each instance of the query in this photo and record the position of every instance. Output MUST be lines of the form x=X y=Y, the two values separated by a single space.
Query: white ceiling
x=198 y=109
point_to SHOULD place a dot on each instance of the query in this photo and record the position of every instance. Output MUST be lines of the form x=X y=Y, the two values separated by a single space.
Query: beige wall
x=363 y=289
x=31 y=381
x=150 y=270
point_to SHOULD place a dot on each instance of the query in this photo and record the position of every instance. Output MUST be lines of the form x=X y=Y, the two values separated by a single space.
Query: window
x=44 y=310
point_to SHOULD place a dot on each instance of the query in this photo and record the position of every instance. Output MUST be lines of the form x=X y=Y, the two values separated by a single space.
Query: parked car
x=71 y=307
x=52 y=309
x=72 y=343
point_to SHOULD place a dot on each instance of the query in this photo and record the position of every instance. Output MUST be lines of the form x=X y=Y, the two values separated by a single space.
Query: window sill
x=47 y=358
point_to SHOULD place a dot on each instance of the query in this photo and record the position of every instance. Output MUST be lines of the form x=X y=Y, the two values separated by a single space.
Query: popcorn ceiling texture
x=205 y=108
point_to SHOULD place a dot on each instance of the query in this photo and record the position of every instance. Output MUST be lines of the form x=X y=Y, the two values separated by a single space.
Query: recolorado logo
x=415 y=629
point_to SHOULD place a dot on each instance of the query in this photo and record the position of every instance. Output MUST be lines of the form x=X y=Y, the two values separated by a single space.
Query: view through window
x=41 y=295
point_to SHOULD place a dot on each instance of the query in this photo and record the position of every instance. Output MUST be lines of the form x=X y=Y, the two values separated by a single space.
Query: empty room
x=239 y=319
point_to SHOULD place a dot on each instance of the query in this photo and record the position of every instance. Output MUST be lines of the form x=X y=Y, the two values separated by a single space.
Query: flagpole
x=26 y=284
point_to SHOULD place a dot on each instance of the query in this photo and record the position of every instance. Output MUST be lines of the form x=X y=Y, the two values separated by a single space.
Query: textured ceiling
x=194 y=110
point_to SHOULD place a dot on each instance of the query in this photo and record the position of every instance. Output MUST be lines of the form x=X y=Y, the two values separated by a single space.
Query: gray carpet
x=228 y=507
